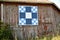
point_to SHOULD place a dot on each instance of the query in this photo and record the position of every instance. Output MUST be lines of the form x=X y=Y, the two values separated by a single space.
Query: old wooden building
x=48 y=15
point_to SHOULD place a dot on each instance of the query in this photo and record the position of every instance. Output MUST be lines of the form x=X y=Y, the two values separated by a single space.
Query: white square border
x=28 y=24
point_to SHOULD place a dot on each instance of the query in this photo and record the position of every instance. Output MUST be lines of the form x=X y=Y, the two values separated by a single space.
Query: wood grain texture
x=46 y=16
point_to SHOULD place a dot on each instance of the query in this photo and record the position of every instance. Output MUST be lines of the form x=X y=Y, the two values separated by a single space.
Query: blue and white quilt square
x=28 y=15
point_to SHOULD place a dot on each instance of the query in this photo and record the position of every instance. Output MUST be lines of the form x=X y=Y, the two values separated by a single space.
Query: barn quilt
x=28 y=15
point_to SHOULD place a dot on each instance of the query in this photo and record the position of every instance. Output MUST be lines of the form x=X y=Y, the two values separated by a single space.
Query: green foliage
x=5 y=32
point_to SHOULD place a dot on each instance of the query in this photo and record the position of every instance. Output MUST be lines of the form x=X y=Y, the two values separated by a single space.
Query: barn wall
x=46 y=18
x=57 y=16
x=57 y=19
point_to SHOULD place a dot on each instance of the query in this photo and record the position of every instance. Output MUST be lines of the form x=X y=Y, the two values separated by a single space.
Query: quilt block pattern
x=28 y=15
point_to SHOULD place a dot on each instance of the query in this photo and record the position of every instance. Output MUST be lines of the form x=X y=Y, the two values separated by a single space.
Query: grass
x=51 y=37
x=56 y=37
x=45 y=37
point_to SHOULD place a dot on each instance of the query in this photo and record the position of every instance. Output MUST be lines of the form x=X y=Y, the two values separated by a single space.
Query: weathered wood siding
x=57 y=19
x=46 y=15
